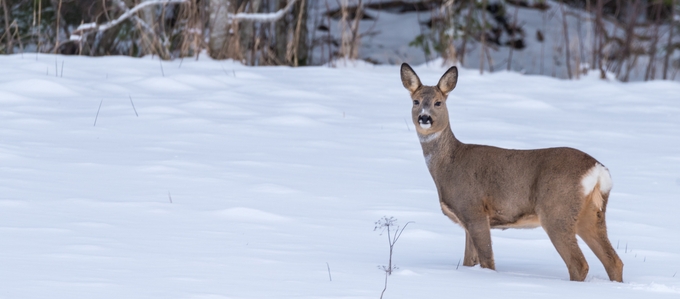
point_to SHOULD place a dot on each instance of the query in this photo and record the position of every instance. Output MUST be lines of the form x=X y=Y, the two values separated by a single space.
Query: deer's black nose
x=425 y=119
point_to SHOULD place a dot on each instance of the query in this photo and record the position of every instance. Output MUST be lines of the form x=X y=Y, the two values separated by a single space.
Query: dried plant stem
x=133 y=106
x=97 y=116
x=39 y=27
x=651 y=69
x=329 y=37
x=386 y=224
x=329 y=272
x=482 y=50
x=512 y=37
x=56 y=43
x=544 y=17
x=385 y=288
x=670 y=41
x=298 y=26
x=466 y=34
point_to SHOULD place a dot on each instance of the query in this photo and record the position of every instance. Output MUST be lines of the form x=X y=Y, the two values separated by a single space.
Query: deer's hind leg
x=591 y=227
x=560 y=224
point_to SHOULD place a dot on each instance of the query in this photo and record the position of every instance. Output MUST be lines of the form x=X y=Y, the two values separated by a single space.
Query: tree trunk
x=247 y=32
x=8 y=35
x=565 y=28
x=634 y=12
x=281 y=34
x=148 y=15
x=219 y=28
x=670 y=41
x=651 y=70
x=355 y=42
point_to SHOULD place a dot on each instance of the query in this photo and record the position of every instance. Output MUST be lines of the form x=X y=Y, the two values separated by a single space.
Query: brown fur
x=482 y=187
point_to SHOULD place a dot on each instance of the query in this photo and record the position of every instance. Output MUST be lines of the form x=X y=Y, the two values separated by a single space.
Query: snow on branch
x=263 y=17
x=139 y=6
x=127 y=14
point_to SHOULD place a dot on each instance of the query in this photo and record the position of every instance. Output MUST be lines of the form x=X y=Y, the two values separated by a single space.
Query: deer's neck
x=438 y=147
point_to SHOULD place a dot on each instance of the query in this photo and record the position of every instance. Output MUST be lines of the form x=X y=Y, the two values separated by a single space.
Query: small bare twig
x=160 y=61
x=169 y=197
x=329 y=271
x=133 y=106
x=97 y=116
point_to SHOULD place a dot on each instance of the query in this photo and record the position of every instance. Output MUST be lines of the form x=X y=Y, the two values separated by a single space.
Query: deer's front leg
x=471 y=257
x=479 y=232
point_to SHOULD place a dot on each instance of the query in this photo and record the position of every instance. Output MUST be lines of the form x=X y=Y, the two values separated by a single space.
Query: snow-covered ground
x=240 y=182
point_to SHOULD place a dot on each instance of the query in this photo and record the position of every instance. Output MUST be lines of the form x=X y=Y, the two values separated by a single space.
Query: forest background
x=631 y=40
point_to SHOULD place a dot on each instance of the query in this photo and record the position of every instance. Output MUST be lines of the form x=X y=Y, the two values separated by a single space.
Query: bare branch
x=396 y=237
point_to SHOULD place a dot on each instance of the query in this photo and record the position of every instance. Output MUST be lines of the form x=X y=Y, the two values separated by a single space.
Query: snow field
x=240 y=182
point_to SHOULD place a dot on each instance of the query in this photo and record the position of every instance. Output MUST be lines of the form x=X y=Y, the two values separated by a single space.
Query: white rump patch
x=597 y=175
x=428 y=138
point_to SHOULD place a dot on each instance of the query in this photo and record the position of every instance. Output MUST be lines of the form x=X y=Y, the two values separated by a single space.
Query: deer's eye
x=416 y=102
x=438 y=104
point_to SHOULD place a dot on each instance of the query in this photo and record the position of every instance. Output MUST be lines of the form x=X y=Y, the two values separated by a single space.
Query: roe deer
x=481 y=187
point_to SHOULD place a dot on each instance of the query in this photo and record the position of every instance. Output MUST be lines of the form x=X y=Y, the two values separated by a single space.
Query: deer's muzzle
x=425 y=121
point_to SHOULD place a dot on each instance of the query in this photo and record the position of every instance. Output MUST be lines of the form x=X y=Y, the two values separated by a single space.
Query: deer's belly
x=525 y=221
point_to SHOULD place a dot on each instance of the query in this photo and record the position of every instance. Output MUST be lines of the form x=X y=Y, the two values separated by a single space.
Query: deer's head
x=429 y=113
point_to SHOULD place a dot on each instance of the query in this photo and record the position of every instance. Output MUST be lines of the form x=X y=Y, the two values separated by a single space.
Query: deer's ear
x=409 y=78
x=448 y=81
